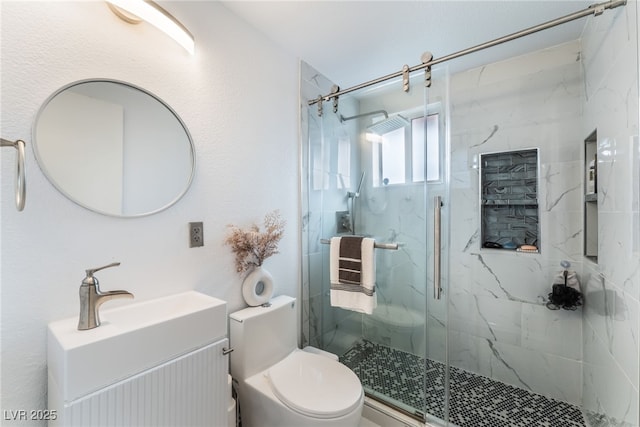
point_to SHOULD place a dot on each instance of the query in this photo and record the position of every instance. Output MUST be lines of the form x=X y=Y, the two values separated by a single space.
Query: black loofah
x=564 y=296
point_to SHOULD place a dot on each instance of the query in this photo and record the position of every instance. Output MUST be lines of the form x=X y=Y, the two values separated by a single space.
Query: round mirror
x=113 y=148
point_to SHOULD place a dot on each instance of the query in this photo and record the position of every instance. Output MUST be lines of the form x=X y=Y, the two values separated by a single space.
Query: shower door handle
x=437 y=239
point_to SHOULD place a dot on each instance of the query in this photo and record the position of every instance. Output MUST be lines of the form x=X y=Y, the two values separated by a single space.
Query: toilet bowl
x=304 y=389
x=281 y=385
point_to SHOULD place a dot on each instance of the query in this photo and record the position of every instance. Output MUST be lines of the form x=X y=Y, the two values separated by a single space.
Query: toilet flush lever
x=226 y=350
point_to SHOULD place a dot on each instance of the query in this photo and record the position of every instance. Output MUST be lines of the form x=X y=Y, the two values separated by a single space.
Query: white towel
x=347 y=293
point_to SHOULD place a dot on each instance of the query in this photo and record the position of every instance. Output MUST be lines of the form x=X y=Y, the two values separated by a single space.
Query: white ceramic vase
x=257 y=287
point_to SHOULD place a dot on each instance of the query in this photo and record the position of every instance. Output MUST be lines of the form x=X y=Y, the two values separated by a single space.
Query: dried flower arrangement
x=252 y=246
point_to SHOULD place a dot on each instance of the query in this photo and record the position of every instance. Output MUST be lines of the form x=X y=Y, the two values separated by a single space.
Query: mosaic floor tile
x=476 y=401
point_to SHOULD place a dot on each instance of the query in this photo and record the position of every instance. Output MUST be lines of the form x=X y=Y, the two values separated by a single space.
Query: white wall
x=238 y=97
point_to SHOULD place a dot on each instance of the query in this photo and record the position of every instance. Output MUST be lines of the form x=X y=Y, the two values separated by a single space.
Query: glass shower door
x=436 y=157
x=366 y=138
x=396 y=141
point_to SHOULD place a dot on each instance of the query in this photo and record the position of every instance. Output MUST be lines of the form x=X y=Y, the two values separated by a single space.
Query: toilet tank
x=262 y=336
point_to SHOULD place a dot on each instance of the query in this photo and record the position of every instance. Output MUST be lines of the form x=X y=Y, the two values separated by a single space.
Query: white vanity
x=158 y=362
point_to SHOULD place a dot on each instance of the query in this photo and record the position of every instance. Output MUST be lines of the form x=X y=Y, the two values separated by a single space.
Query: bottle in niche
x=591 y=177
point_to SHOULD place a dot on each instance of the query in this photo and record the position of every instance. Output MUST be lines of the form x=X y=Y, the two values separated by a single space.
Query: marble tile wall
x=499 y=325
x=612 y=286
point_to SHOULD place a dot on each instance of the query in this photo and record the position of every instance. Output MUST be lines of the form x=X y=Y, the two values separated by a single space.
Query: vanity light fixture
x=136 y=11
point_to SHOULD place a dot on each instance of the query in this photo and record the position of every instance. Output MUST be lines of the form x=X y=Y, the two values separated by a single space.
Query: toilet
x=280 y=385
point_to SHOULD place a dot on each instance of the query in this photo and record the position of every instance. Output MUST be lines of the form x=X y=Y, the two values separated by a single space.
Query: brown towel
x=350 y=260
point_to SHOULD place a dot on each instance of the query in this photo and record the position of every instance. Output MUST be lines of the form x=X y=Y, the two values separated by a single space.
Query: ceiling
x=351 y=42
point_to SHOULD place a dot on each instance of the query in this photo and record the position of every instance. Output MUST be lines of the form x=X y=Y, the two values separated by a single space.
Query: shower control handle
x=437 y=250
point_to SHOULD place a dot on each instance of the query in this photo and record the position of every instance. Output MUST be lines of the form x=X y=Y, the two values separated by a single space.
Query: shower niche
x=509 y=200
x=591 y=197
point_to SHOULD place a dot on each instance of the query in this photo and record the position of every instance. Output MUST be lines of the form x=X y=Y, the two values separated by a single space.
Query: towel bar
x=21 y=186
x=392 y=246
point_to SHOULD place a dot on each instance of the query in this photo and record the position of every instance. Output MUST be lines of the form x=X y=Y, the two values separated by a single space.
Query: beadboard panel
x=187 y=391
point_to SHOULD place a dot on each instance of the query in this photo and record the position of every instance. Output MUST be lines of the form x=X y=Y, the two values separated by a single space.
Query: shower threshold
x=398 y=378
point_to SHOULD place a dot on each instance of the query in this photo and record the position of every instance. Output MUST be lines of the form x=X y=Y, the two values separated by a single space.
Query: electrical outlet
x=196 y=234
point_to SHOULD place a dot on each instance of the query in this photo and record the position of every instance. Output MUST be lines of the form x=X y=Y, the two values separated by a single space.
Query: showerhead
x=370 y=113
x=388 y=125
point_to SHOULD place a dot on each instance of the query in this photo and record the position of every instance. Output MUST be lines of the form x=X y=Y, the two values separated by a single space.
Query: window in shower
x=408 y=154
x=344 y=162
x=389 y=158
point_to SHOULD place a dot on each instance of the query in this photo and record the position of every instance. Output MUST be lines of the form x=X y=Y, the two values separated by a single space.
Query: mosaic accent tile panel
x=510 y=197
x=476 y=401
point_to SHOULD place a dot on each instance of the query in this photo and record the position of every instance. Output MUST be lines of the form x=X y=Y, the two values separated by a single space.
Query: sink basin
x=131 y=339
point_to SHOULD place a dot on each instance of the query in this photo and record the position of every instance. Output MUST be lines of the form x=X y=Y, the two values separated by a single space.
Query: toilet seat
x=315 y=385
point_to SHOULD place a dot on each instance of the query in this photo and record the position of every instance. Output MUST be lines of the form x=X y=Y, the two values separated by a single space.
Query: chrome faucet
x=91 y=299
